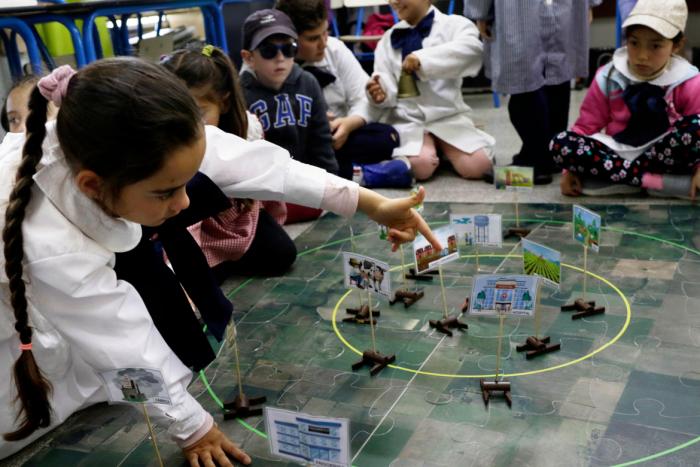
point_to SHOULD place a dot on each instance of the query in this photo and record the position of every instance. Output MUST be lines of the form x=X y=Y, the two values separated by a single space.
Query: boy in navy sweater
x=287 y=100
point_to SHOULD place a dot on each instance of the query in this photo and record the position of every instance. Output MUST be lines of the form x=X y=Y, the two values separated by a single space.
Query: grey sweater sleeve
x=478 y=9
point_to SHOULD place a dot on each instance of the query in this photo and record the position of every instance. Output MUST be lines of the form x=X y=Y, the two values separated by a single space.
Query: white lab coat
x=84 y=319
x=450 y=52
x=346 y=95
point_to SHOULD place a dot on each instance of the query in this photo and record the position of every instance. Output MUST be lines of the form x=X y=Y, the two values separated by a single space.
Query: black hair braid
x=32 y=387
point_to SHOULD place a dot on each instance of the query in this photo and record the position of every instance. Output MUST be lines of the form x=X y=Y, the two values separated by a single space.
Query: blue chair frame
x=21 y=28
x=360 y=12
x=213 y=23
x=70 y=25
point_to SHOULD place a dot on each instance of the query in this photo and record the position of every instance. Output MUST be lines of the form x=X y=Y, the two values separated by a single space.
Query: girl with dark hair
x=247 y=238
x=127 y=139
x=14 y=110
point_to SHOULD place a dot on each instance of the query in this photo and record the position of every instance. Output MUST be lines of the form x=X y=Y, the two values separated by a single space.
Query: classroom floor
x=622 y=391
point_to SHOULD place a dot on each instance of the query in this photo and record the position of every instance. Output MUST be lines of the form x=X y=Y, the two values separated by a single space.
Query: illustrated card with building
x=478 y=229
x=427 y=258
x=513 y=178
x=366 y=273
x=308 y=439
x=507 y=294
x=136 y=386
x=542 y=261
x=586 y=227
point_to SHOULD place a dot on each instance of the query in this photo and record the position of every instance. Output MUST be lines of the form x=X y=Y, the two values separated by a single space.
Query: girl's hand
x=211 y=450
x=375 y=90
x=341 y=128
x=397 y=214
x=484 y=29
x=570 y=184
x=411 y=63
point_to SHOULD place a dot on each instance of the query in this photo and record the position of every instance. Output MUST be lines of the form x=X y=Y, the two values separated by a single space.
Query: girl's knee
x=472 y=166
x=423 y=168
x=424 y=165
x=561 y=139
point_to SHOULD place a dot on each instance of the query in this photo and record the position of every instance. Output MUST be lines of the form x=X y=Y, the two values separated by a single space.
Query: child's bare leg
x=467 y=165
x=425 y=163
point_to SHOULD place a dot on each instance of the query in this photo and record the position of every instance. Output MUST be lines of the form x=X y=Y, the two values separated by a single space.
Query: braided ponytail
x=33 y=388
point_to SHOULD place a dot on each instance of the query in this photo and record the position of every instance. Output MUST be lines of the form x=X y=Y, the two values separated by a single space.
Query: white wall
x=603 y=32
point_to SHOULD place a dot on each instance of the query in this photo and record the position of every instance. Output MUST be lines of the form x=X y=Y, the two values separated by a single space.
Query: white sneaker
x=675 y=186
x=664 y=194
x=593 y=187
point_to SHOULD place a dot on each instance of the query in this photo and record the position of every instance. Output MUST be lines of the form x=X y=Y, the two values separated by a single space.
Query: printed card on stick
x=503 y=294
x=366 y=273
x=478 y=229
x=427 y=258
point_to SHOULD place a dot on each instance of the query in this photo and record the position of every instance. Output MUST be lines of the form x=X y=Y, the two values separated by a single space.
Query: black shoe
x=543 y=178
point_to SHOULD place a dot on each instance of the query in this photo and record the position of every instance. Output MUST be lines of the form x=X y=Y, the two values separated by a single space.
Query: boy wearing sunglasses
x=287 y=100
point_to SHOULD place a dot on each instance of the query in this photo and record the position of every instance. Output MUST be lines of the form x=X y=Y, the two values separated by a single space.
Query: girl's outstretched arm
x=398 y=214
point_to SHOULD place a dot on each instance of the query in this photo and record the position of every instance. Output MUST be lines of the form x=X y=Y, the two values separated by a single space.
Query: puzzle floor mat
x=623 y=390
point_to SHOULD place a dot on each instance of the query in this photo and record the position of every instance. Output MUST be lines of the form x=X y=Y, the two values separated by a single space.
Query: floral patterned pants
x=678 y=153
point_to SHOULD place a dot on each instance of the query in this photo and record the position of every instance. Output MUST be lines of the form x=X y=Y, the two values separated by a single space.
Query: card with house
x=427 y=258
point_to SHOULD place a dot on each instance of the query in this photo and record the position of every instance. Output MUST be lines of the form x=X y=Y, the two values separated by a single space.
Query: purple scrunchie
x=53 y=86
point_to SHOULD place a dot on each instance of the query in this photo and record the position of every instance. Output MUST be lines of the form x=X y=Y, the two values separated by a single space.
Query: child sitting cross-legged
x=287 y=100
x=647 y=100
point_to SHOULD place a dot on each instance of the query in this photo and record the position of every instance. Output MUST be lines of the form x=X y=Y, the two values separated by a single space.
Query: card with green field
x=542 y=261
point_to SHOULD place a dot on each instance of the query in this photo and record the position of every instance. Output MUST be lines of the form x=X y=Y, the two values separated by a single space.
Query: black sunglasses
x=269 y=51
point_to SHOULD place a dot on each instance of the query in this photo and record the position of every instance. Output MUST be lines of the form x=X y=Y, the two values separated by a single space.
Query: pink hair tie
x=24 y=347
x=53 y=86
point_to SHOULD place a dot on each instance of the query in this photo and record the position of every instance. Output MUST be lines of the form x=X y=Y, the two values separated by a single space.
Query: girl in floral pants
x=678 y=152
x=639 y=122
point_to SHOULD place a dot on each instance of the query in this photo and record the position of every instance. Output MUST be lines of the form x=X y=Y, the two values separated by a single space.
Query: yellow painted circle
x=523 y=373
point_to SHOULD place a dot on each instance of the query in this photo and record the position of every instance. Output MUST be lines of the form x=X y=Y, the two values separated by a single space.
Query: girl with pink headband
x=127 y=139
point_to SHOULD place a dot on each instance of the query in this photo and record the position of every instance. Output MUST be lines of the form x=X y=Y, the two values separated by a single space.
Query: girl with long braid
x=127 y=139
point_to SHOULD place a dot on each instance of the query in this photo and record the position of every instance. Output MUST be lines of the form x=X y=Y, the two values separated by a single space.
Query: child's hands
x=411 y=63
x=212 y=449
x=397 y=214
x=375 y=90
x=695 y=184
x=570 y=184
x=341 y=127
x=484 y=29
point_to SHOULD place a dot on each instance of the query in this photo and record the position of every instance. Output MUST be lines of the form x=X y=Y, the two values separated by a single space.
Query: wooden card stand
x=360 y=315
x=407 y=297
x=375 y=360
x=489 y=388
x=583 y=308
x=444 y=325
x=536 y=347
x=240 y=407
x=519 y=232
x=427 y=276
